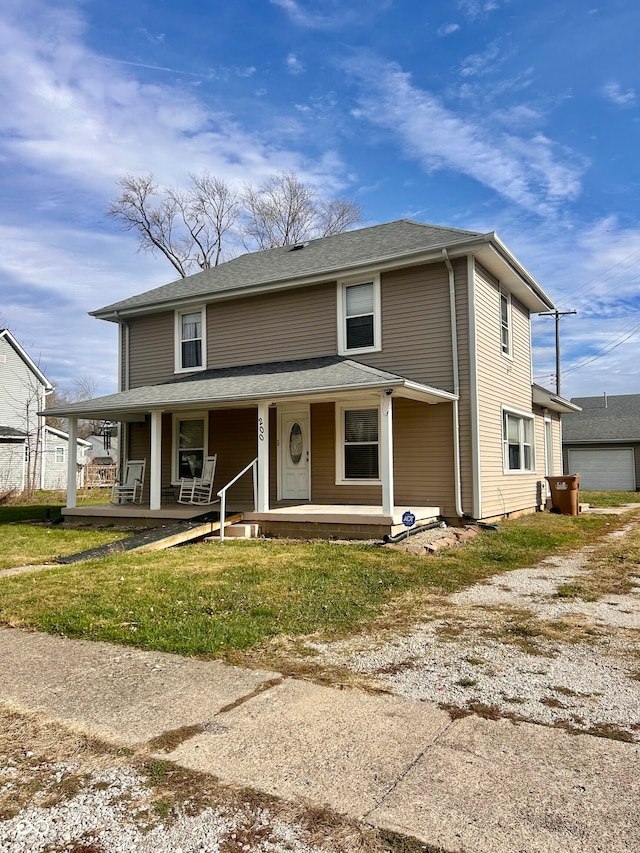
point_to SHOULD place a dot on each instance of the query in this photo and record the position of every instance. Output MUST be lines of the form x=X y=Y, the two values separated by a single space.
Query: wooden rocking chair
x=129 y=488
x=199 y=489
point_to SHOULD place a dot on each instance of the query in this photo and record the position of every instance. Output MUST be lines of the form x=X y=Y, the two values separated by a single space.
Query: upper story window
x=190 y=340
x=505 y=323
x=517 y=439
x=359 y=316
x=59 y=454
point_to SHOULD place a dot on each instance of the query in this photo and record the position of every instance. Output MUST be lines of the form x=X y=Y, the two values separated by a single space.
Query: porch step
x=238 y=531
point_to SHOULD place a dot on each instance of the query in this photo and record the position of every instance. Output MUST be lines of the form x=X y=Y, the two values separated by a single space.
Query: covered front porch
x=323 y=447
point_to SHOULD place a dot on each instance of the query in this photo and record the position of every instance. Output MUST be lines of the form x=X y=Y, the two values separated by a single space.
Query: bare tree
x=84 y=388
x=283 y=211
x=196 y=226
x=187 y=226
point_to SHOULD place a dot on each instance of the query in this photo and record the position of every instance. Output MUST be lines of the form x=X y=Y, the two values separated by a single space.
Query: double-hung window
x=59 y=455
x=190 y=445
x=517 y=439
x=359 y=316
x=190 y=340
x=505 y=323
x=359 y=437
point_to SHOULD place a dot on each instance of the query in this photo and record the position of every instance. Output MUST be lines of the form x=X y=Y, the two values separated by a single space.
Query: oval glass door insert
x=295 y=443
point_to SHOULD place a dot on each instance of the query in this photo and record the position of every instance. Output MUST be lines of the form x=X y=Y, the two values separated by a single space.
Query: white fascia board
x=60 y=434
x=495 y=256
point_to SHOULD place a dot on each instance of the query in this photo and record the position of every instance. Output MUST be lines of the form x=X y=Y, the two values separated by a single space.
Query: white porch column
x=262 y=503
x=72 y=462
x=386 y=453
x=155 y=480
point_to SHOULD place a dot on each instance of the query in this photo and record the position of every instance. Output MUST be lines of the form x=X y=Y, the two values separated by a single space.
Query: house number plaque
x=260 y=429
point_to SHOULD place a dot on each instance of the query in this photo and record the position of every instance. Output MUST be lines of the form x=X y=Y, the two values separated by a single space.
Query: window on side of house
x=505 y=323
x=359 y=316
x=359 y=445
x=59 y=454
x=189 y=445
x=190 y=346
x=517 y=436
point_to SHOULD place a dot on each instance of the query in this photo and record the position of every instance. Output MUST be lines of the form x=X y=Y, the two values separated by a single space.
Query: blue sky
x=487 y=115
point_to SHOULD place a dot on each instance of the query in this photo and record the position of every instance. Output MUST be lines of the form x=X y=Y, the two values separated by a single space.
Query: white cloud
x=480 y=63
x=331 y=14
x=613 y=92
x=294 y=66
x=447 y=29
x=529 y=171
x=477 y=8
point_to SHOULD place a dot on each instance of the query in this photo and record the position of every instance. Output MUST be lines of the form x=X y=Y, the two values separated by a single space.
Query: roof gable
x=6 y=335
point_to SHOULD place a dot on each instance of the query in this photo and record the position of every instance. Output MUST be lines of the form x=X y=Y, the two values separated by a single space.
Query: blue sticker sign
x=408 y=519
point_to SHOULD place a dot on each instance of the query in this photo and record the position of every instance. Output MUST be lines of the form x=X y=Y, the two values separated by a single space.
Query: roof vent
x=298 y=246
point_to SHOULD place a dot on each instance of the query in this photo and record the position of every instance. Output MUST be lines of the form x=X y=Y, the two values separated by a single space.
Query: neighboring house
x=32 y=455
x=602 y=442
x=387 y=368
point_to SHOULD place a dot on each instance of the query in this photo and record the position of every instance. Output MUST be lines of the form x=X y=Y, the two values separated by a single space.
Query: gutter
x=456 y=386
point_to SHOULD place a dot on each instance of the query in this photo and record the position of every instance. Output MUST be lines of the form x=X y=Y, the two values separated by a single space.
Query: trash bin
x=564 y=494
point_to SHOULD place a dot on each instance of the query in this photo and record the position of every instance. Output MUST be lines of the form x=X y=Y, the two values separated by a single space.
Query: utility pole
x=557 y=314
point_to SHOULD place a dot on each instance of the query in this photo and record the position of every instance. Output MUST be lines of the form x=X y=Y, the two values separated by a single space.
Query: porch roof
x=313 y=378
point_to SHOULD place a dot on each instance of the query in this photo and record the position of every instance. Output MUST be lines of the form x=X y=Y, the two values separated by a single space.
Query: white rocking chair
x=199 y=489
x=129 y=488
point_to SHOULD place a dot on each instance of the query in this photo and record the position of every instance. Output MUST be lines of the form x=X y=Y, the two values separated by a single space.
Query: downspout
x=456 y=386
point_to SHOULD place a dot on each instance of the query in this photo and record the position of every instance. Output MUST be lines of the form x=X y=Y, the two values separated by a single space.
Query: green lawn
x=214 y=600
x=604 y=499
x=26 y=540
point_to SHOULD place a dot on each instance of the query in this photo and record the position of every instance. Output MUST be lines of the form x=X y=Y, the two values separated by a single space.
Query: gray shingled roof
x=10 y=432
x=329 y=374
x=615 y=418
x=326 y=255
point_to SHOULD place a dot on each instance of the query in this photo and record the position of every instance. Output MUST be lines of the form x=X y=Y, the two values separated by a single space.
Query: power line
x=602 y=353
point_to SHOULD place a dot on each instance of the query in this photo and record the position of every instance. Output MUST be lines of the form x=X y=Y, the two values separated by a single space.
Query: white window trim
x=186 y=416
x=59 y=451
x=504 y=294
x=340 y=408
x=177 y=338
x=505 y=410
x=342 y=314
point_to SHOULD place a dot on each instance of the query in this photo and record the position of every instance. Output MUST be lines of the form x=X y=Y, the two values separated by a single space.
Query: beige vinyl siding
x=323 y=464
x=423 y=455
x=151 y=358
x=292 y=324
x=502 y=381
x=233 y=436
x=416 y=326
x=423 y=458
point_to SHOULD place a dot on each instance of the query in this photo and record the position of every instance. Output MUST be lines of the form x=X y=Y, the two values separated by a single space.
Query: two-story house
x=369 y=373
x=32 y=454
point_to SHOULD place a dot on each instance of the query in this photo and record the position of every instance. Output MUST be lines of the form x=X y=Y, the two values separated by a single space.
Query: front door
x=293 y=446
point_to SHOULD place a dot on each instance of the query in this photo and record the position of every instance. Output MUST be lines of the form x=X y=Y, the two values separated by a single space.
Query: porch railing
x=222 y=494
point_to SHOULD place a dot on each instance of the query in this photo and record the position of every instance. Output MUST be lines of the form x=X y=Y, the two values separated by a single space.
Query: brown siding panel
x=151 y=349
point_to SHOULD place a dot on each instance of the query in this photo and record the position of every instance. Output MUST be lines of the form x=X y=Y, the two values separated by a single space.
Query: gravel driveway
x=511 y=646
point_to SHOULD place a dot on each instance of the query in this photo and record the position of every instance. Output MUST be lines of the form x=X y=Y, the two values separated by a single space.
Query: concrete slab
x=499 y=787
x=300 y=740
x=121 y=694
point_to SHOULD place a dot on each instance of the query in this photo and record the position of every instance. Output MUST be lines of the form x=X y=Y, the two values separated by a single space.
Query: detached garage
x=602 y=442
x=600 y=468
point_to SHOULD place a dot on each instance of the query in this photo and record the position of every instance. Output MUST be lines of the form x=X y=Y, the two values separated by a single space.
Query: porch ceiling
x=311 y=379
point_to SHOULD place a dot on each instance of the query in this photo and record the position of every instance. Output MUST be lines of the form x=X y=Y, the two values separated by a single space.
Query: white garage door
x=604 y=469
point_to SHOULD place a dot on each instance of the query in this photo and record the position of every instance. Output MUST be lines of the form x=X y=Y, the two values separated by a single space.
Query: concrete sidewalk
x=472 y=785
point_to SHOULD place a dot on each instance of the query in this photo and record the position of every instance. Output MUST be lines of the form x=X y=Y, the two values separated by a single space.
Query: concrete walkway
x=469 y=785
